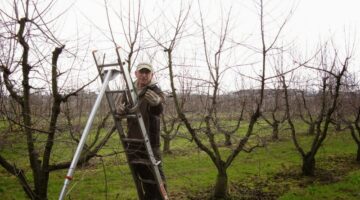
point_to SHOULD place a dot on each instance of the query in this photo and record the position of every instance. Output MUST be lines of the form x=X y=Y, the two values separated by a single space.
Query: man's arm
x=156 y=98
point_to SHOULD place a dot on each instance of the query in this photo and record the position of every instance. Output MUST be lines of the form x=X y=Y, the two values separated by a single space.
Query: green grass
x=190 y=171
x=347 y=189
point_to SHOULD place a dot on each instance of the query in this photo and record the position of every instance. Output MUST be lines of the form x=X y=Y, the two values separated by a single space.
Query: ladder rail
x=119 y=127
x=84 y=135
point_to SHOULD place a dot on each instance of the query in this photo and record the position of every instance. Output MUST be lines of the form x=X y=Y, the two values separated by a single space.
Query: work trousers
x=144 y=172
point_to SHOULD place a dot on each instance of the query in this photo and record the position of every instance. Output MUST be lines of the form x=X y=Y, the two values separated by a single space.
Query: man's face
x=143 y=76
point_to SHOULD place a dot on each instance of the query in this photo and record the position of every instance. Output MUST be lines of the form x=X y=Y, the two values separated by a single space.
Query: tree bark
x=166 y=148
x=35 y=162
x=227 y=140
x=221 y=185
x=338 y=126
x=308 y=168
x=311 y=129
x=275 y=131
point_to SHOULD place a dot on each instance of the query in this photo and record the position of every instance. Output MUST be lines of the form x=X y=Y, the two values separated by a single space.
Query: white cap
x=141 y=66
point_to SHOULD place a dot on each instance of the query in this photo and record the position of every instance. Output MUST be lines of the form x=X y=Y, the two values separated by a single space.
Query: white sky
x=312 y=18
x=312 y=21
x=315 y=19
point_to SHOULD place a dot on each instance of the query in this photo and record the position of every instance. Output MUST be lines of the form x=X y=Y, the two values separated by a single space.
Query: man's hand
x=153 y=98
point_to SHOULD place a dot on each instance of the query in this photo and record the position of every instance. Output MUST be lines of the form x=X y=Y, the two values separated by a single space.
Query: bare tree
x=350 y=110
x=130 y=22
x=333 y=69
x=307 y=109
x=354 y=127
x=209 y=120
x=170 y=129
x=171 y=123
x=31 y=72
x=274 y=115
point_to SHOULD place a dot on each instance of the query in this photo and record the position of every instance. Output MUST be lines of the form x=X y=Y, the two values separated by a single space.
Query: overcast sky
x=312 y=20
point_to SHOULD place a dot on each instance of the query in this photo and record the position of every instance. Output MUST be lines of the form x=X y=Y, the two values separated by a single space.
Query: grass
x=272 y=172
x=347 y=189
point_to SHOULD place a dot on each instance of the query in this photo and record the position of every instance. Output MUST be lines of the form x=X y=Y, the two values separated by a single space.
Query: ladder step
x=131 y=116
x=115 y=91
x=133 y=140
x=150 y=181
x=141 y=161
x=144 y=162
x=125 y=115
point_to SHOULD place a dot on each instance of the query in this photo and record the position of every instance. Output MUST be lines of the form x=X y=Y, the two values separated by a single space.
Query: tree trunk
x=166 y=147
x=338 y=126
x=275 y=132
x=43 y=186
x=308 y=168
x=311 y=130
x=221 y=186
x=227 y=140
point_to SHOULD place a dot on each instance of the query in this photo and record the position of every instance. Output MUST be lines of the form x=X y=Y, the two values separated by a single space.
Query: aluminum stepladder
x=107 y=73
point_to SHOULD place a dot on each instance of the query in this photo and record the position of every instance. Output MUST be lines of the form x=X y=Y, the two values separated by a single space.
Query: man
x=150 y=105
